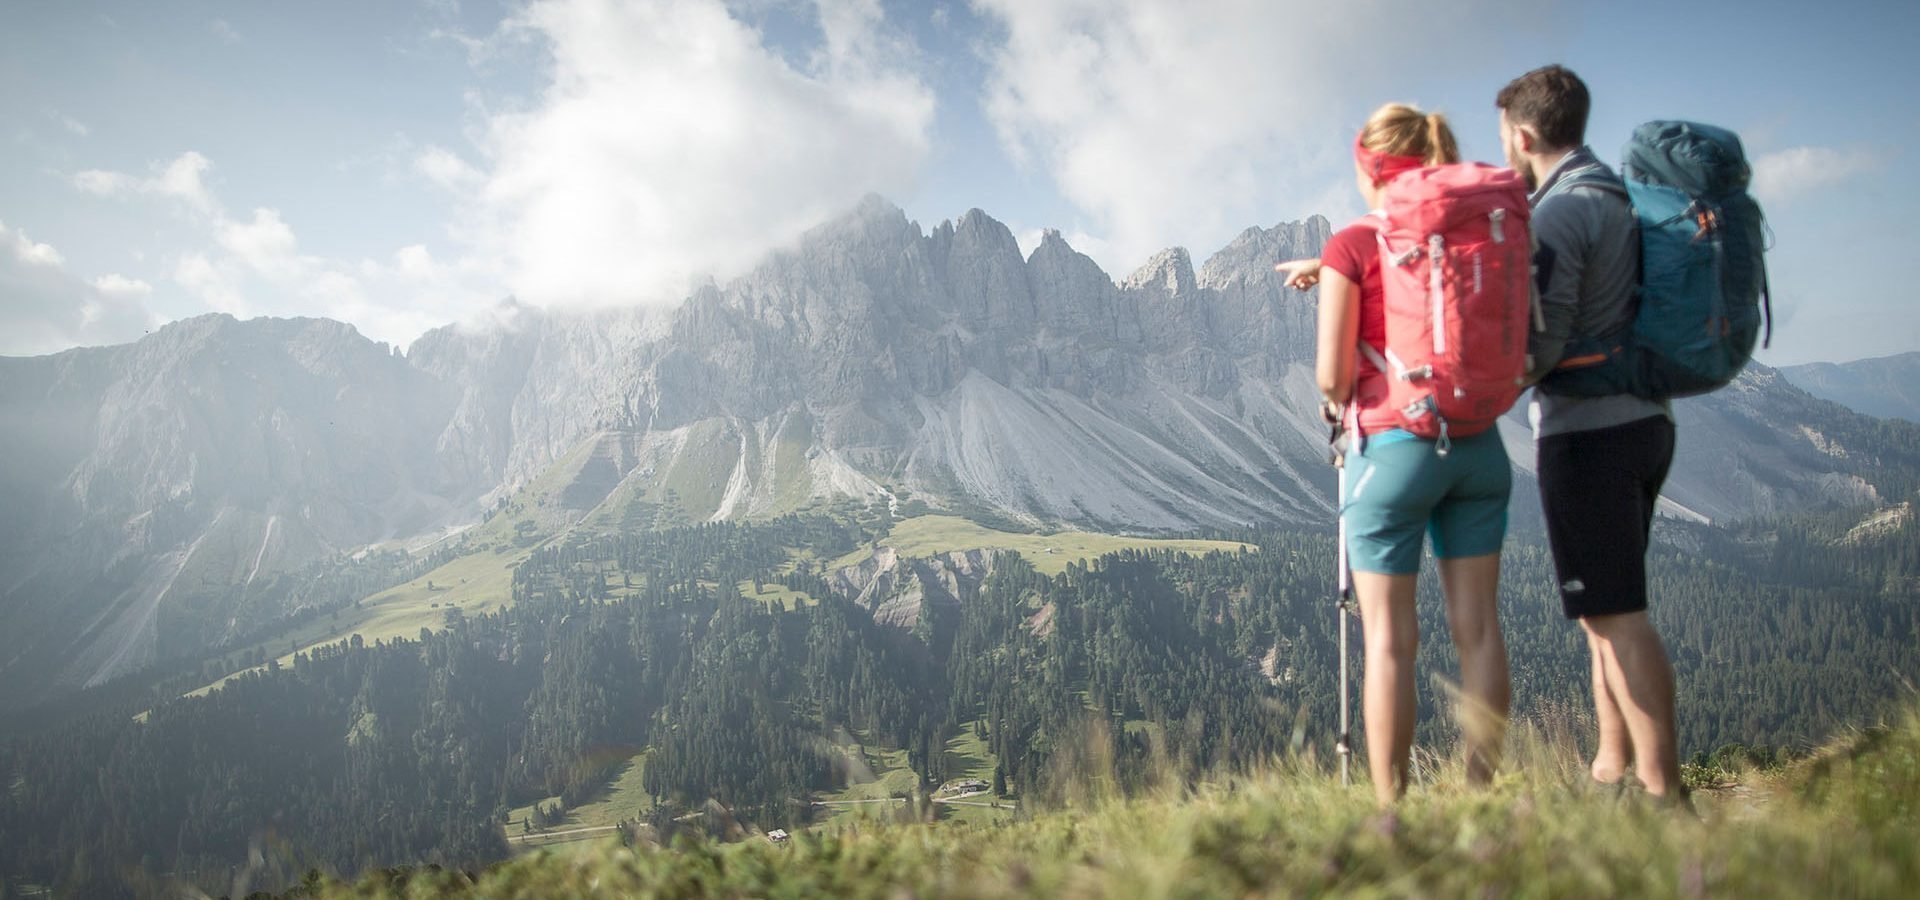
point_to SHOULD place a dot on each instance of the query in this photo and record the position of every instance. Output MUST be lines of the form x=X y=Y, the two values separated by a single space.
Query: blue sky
x=401 y=164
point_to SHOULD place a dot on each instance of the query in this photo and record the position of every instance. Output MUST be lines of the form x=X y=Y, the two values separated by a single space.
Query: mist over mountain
x=155 y=490
x=1888 y=386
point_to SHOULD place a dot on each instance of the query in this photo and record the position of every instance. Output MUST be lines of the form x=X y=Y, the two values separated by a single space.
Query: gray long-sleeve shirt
x=1587 y=261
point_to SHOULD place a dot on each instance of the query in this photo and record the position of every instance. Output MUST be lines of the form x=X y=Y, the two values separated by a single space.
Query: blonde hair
x=1397 y=129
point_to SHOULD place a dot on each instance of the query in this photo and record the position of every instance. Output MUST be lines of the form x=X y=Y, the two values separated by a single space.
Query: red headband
x=1382 y=167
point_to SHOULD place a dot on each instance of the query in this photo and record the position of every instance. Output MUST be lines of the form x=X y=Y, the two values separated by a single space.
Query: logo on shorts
x=1572 y=586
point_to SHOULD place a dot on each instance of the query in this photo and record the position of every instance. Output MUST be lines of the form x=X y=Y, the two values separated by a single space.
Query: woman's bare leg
x=1472 y=588
x=1392 y=636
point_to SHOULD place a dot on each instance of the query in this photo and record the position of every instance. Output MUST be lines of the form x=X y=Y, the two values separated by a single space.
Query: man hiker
x=1600 y=459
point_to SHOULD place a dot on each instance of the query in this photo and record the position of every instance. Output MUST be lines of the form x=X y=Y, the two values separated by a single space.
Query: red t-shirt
x=1354 y=251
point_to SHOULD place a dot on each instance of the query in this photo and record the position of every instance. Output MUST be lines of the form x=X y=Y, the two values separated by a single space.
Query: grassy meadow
x=623 y=799
x=923 y=536
x=1844 y=822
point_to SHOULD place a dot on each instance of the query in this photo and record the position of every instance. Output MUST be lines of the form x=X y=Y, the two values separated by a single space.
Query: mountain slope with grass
x=1843 y=822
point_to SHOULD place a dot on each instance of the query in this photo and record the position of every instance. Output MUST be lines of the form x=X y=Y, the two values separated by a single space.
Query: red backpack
x=1455 y=262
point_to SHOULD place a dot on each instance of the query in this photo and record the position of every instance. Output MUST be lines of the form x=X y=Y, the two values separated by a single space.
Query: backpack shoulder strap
x=1595 y=176
x=1581 y=349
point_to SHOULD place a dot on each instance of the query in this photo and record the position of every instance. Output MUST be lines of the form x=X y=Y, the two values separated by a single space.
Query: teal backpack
x=1703 y=281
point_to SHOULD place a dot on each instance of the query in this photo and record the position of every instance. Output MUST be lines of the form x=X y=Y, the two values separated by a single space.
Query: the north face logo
x=1573 y=586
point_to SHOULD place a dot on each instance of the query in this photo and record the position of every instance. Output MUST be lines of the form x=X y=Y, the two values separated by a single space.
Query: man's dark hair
x=1552 y=101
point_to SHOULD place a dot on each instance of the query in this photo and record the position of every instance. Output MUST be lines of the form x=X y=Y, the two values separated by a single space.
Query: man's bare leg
x=1615 y=750
x=1640 y=679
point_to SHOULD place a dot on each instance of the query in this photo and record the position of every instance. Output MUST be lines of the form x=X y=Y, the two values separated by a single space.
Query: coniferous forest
x=363 y=755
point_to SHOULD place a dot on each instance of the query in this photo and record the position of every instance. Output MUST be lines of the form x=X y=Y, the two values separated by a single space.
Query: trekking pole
x=1343 y=596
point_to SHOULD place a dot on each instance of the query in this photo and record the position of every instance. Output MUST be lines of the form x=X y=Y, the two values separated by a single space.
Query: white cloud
x=1179 y=122
x=255 y=267
x=29 y=252
x=72 y=125
x=670 y=143
x=1783 y=175
x=264 y=244
x=114 y=285
x=414 y=263
x=479 y=50
x=211 y=283
x=48 y=309
x=446 y=169
x=258 y=269
x=182 y=179
x=105 y=184
x=225 y=31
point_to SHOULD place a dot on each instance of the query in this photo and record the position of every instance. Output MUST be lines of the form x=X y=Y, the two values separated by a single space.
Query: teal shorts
x=1399 y=488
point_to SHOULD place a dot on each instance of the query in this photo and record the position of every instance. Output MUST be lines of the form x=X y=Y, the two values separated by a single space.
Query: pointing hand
x=1299 y=274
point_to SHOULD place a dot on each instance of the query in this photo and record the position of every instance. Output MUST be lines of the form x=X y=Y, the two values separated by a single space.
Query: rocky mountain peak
x=986 y=276
x=1170 y=272
x=868 y=357
x=1252 y=253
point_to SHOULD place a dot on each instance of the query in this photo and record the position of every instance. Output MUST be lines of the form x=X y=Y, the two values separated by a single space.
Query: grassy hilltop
x=1844 y=822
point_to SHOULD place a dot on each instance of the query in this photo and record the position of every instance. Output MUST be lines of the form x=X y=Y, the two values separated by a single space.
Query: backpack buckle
x=1706 y=220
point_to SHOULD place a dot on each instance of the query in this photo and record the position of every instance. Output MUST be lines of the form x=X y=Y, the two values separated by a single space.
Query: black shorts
x=1598 y=489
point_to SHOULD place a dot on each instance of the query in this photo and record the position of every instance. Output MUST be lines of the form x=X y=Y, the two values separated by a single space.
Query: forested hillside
x=728 y=655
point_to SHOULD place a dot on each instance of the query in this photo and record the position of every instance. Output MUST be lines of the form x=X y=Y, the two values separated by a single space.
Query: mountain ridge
x=874 y=359
x=1885 y=386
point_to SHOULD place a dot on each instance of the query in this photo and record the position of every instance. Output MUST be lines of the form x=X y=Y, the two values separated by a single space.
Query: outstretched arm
x=1339 y=336
x=1300 y=274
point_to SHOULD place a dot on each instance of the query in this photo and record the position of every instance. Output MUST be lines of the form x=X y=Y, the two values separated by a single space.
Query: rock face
x=939 y=362
x=148 y=486
x=901 y=591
